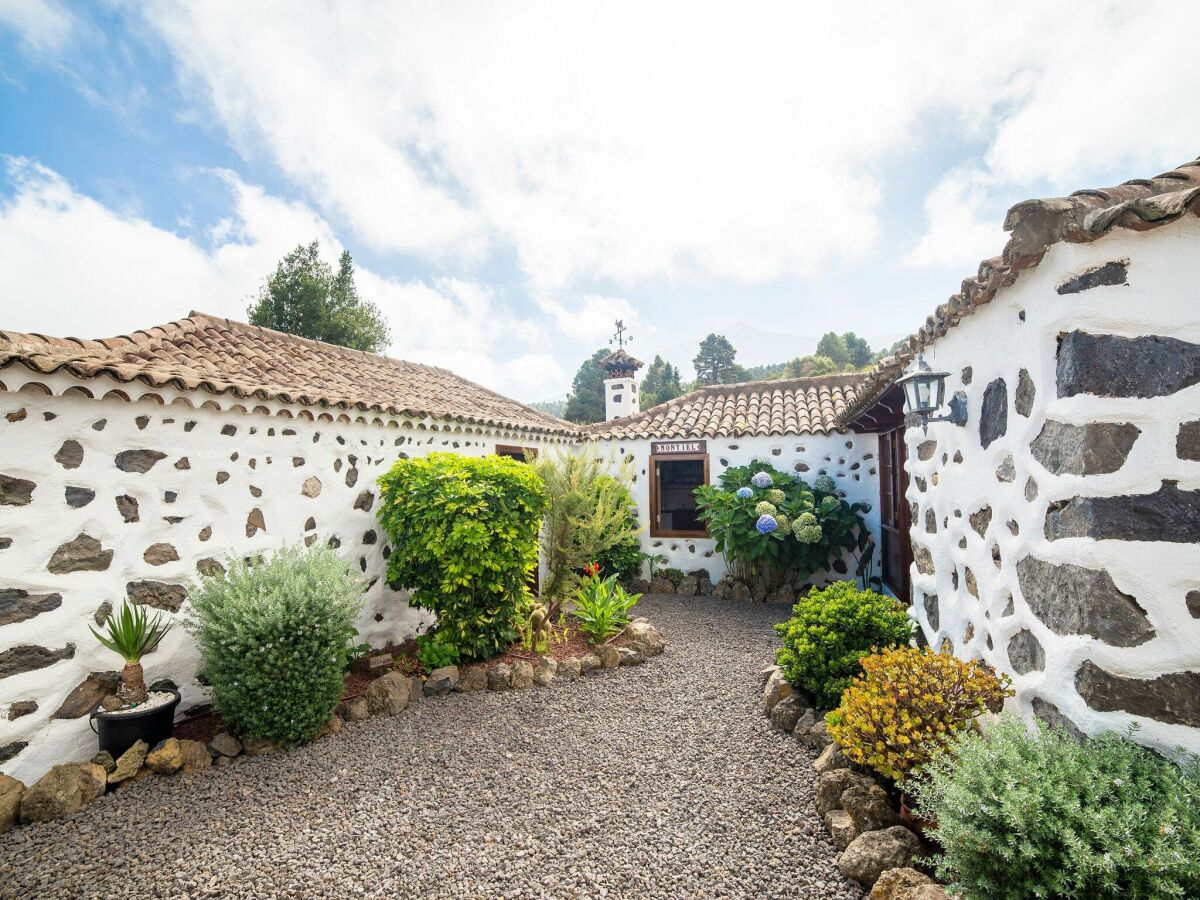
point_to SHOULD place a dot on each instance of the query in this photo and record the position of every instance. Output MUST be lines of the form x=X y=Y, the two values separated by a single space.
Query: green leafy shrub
x=830 y=631
x=602 y=608
x=626 y=558
x=435 y=650
x=673 y=575
x=1037 y=814
x=591 y=513
x=464 y=536
x=776 y=527
x=275 y=636
x=909 y=703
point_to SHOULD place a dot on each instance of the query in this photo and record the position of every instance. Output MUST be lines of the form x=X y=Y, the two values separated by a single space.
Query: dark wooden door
x=895 y=519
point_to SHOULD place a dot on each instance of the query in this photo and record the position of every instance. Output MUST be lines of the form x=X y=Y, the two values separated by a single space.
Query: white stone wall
x=1085 y=605
x=262 y=453
x=850 y=459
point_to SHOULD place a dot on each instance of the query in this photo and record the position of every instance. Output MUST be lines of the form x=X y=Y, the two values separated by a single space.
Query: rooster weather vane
x=620 y=336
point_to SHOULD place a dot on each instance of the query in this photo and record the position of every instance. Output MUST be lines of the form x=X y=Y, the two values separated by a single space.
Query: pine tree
x=660 y=384
x=715 y=362
x=586 y=401
x=833 y=345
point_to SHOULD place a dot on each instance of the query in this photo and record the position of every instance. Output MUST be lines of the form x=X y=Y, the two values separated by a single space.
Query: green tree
x=833 y=345
x=585 y=404
x=660 y=384
x=306 y=297
x=715 y=362
x=860 y=350
x=805 y=366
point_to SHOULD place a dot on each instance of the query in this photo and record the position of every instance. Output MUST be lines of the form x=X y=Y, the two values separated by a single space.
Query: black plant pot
x=120 y=731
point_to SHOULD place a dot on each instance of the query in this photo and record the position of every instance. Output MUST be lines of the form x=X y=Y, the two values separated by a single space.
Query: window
x=893 y=513
x=523 y=454
x=673 y=481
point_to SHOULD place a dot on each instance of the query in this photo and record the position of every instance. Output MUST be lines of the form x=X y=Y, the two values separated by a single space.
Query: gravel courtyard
x=656 y=781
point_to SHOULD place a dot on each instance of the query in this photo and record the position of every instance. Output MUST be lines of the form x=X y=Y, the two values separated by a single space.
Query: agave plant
x=132 y=634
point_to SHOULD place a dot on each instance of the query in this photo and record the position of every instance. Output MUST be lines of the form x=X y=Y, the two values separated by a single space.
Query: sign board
x=671 y=448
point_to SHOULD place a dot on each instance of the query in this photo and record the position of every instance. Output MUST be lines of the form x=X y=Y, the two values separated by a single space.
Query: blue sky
x=511 y=178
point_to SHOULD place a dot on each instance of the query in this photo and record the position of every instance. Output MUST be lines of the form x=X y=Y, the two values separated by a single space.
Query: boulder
x=689 y=586
x=128 y=764
x=354 y=709
x=11 y=791
x=500 y=677
x=588 y=663
x=841 y=828
x=782 y=596
x=522 y=675
x=906 y=884
x=470 y=679
x=194 y=756
x=389 y=695
x=62 y=791
x=570 y=668
x=830 y=787
x=166 y=758
x=441 y=681
x=787 y=713
x=88 y=695
x=661 y=586
x=813 y=737
x=104 y=760
x=254 y=746
x=332 y=726
x=416 y=689
x=545 y=672
x=740 y=592
x=874 y=852
x=225 y=744
x=776 y=689
x=633 y=655
x=765 y=675
x=832 y=758
x=646 y=635
x=608 y=655
x=869 y=806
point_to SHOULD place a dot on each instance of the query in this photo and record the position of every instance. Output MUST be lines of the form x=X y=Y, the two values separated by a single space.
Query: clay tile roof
x=619 y=359
x=217 y=355
x=1034 y=226
x=789 y=406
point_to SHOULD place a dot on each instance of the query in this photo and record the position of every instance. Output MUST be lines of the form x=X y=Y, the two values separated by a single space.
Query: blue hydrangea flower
x=766 y=524
x=762 y=480
x=745 y=493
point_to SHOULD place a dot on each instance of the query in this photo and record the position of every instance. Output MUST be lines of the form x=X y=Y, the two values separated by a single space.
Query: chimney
x=620 y=384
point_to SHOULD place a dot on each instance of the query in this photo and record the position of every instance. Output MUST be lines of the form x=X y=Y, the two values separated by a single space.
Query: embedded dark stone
x=229 y=430
x=1093 y=449
x=993 y=414
x=160 y=554
x=77 y=497
x=88 y=694
x=20 y=708
x=930 y=521
x=138 y=461
x=165 y=684
x=8 y=751
x=1193 y=603
x=183 y=463
x=84 y=554
x=297 y=461
x=924 y=559
x=1173 y=698
x=801 y=467
x=930 y=601
x=255 y=522
x=103 y=611
x=167 y=597
x=311 y=487
x=1168 y=514
x=128 y=508
x=1031 y=490
x=170 y=497
x=1187 y=441
x=1070 y=599
x=310 y=523
x=967 y=374
x=5 y=543
x=209 y=566
x=28 y=658
x=1111 y=273
x=99 y=424
x=15 y=491
x=980 y=520
x=188 y=426
x=370 y=537
x=351 y=477
x=17 y=415
x=1006 y=471
x=1053 y=716
x=1025 y=653
x=1013 y=526
x=255 y=491
x=335 y=542
x=920 y=483
x=1111 y=366
x=1025 y=394
x=69 y=455
x=141 y=422
x=172 y=520
x=926 y=449
x=972 y=585
x=365 y=501
x=222 y=477
x=17 y=605
x=205 y=533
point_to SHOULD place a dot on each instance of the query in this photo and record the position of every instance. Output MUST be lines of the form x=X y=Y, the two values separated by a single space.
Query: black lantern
x=925 y=392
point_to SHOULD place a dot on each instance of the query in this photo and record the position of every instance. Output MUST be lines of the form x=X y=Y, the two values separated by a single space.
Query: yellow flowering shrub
x=908 y=703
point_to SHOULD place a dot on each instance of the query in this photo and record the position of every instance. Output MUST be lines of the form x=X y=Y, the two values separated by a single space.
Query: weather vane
x=620 y=336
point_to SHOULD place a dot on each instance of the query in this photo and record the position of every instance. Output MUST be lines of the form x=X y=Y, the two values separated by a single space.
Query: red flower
x=592 y=569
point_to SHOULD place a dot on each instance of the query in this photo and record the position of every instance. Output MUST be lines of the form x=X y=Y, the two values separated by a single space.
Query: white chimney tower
x=620 y=384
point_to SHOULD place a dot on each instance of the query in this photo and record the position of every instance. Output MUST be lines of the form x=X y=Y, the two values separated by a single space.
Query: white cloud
x=962 y=228
x=43 y=25
x=73 y=266
x=592 y=320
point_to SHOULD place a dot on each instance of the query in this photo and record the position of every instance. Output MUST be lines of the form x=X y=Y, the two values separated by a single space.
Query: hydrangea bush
x=775 y=526
x=275 y=634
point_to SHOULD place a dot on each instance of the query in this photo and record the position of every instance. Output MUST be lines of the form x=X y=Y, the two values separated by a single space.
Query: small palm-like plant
x=132 y=634
x=602 y=608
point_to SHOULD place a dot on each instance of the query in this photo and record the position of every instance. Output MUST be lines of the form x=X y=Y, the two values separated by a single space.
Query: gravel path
x=656 y=781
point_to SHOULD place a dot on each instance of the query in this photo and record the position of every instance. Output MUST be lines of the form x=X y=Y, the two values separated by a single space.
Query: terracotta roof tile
x=218 y=355
x=766 y=408
x=1034 y=226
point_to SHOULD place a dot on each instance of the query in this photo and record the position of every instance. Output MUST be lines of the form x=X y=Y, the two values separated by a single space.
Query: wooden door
x=894 y=515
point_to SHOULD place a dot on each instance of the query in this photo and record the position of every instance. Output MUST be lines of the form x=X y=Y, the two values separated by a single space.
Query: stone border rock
x=862 y=817
x=69 y=787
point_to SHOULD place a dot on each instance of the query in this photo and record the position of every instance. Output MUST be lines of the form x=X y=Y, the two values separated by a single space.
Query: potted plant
x=140 y=715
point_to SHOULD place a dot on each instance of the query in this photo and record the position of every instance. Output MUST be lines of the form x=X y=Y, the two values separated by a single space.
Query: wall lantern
x=925 y=392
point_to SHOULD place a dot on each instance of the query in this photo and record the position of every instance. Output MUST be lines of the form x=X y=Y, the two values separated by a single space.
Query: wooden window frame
x=655 y=531
x=512 y=451
x=893 y=451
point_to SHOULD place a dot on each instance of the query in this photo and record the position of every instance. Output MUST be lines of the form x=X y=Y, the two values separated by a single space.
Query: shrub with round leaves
x=830 y=631
x=907 y=704
x=275 y=634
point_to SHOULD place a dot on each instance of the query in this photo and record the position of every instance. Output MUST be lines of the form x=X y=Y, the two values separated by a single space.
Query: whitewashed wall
x=850 y=459
x=265 y=455
x=1113 y=618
